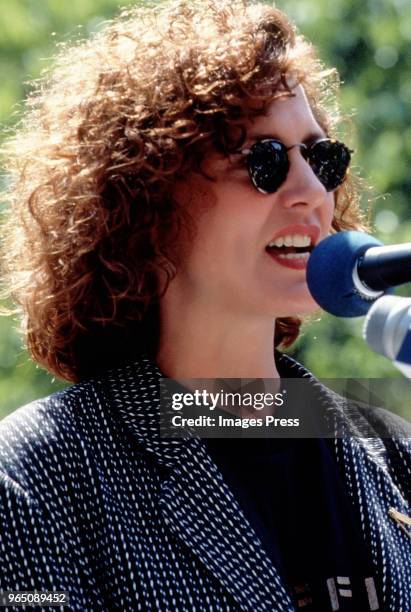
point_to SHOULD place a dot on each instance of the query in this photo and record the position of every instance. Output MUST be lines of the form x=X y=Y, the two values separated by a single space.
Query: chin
x=297 y=306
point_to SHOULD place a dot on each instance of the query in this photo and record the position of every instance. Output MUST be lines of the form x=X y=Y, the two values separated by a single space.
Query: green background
x=368 y=41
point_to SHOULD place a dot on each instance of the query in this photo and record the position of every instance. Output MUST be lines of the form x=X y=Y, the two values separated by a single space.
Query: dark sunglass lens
x=329 y=160
x=268 y=165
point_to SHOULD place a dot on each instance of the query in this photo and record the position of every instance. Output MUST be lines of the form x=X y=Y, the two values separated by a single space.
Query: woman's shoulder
x=63 y=454
x=41 y=414
x=83 y=414
x=47 y=432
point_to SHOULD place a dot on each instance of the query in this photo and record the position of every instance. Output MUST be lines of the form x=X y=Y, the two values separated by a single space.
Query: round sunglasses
x=268 y=163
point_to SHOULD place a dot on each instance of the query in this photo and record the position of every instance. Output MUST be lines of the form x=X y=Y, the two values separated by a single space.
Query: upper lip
x=313 y=231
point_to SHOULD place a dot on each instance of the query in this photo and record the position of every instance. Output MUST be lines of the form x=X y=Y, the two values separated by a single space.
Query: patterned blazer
x=94 y=502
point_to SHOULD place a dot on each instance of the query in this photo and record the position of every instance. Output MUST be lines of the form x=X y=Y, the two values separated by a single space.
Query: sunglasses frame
x=302 y=146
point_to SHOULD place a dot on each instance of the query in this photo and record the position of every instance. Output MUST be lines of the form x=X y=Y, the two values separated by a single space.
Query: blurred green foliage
x=367 y=40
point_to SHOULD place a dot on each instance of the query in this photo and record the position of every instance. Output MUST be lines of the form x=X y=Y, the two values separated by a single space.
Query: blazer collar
x=200 y=509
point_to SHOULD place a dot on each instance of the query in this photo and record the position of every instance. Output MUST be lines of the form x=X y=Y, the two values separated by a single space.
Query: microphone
x=387 y=330
x=348 y=271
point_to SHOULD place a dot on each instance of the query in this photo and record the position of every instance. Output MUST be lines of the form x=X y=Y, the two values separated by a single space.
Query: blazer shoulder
x=385 y=424
x=45 y=430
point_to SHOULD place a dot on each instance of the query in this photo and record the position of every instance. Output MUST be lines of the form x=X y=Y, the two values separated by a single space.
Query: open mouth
x=291 y=247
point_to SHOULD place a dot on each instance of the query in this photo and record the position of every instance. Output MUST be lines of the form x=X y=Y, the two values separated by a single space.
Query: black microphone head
x=330 y=273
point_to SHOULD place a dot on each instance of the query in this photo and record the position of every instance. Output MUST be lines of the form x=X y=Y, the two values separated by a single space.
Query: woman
x=170 y=180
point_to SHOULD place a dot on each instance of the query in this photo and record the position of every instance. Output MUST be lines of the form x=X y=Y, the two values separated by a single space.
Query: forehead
x=288 y=118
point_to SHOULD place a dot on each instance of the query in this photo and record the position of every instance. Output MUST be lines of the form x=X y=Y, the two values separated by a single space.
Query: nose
x=302 y=188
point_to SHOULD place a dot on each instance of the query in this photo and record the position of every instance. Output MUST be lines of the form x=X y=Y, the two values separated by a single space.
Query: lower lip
x=294 y=264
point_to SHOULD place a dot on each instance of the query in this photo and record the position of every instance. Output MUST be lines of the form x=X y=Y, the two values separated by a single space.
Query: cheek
x=224 y=245
x=329 y=211
x=196 y=202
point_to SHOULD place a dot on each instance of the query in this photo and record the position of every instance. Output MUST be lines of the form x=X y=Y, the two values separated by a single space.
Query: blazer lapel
x=364 y=467
x=197 y=505
x=201 y=510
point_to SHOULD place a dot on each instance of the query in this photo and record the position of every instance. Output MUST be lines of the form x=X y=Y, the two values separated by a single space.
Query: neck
x=198 y=341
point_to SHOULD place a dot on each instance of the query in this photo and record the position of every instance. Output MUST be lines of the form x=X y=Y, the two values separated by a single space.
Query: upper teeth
x=297 y=241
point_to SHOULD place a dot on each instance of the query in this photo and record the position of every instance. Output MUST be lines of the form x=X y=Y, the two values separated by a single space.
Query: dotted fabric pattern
x=94 y=502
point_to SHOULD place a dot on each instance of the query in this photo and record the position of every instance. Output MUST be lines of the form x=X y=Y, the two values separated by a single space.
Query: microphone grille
x=330 y=273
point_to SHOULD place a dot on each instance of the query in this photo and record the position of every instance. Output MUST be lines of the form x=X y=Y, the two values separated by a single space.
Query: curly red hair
x=91 y=223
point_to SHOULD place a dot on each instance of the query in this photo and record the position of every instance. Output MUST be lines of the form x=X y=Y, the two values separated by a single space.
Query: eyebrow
x=312 y=137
